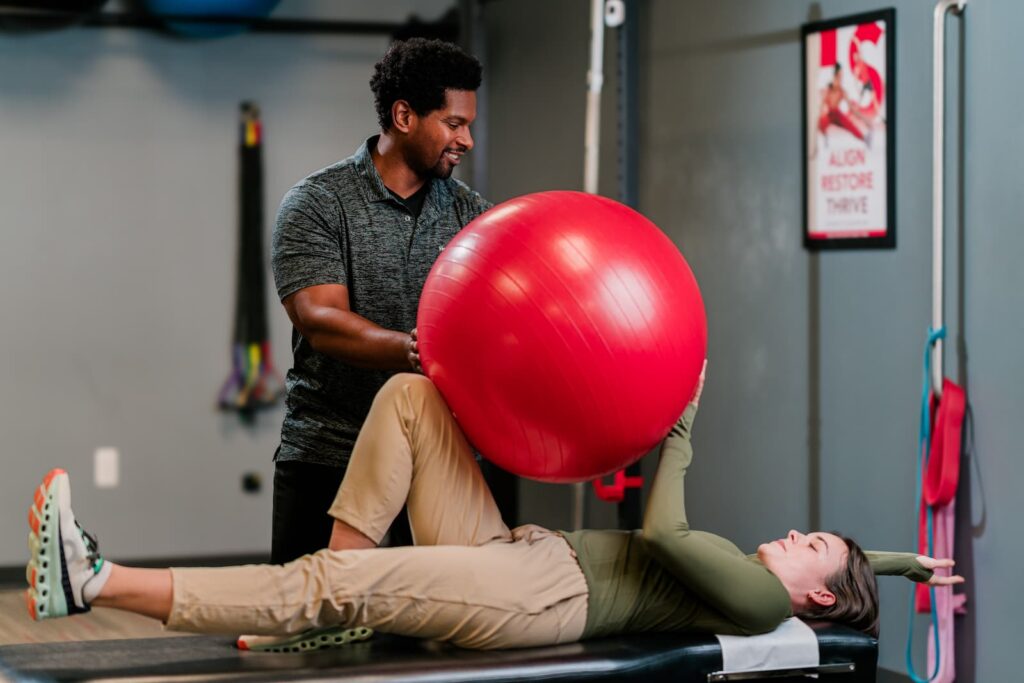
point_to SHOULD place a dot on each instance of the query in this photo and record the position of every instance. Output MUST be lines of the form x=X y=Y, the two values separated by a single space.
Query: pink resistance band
x=941 y=477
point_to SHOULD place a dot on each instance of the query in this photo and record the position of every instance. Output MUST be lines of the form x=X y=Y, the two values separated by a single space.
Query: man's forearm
x=351 y=338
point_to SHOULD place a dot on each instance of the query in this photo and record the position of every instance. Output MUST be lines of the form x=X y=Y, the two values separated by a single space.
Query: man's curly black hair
x=419 y=71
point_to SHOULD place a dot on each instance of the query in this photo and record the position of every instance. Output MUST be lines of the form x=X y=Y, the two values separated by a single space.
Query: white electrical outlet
x=106 y=468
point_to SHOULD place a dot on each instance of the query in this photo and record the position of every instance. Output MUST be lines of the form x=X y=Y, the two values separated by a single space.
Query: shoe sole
x=45 y=595
x=318 y=639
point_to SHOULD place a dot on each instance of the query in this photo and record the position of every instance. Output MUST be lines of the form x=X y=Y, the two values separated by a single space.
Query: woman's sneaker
x=316 y=639
x=64 y=558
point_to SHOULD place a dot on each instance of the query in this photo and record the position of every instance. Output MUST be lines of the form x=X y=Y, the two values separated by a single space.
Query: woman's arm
x=918 y=568
x=743 y=591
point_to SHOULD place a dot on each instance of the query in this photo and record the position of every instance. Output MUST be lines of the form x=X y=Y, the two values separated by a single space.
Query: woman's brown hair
x=856 y=593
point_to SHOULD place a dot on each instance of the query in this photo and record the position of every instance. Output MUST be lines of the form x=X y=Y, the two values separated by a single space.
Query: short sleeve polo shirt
x=341 y=225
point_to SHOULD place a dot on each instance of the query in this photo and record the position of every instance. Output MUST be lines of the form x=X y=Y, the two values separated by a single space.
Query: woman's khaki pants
x=468 y=580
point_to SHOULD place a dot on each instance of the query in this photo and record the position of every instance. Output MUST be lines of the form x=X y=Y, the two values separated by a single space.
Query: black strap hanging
x=253 y=382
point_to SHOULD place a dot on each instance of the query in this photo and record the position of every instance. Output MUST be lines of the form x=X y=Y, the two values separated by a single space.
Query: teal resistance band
x=923 y=443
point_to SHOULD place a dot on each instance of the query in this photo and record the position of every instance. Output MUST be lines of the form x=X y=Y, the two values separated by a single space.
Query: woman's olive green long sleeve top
x=668 y=577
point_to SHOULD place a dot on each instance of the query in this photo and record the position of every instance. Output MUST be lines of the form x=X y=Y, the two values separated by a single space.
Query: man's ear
x=822 y=597
x=402 y=116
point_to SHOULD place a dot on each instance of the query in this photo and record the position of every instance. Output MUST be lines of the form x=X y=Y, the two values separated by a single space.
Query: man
x=351 y=250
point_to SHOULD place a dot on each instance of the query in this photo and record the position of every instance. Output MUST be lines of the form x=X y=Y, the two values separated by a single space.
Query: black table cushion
x=649 y=658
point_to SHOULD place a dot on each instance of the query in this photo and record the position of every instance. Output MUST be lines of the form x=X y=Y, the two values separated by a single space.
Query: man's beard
x=441 y=170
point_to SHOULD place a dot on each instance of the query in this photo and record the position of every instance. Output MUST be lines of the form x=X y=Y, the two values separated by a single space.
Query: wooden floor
x=99 y=624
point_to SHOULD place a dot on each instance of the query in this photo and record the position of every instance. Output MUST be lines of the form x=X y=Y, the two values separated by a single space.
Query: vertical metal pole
x=630 y=510
x=475 y=41
x=595 y=81
x=629 y=109
x=938 y=172
x=591 y=156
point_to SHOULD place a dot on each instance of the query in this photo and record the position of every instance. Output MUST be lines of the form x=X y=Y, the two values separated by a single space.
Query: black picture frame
x=841 y=208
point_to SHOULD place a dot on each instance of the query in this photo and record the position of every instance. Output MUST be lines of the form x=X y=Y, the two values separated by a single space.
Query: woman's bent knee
x=403 y=381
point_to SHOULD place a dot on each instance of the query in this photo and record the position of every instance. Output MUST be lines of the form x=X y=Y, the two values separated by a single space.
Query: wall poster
x=849 y=125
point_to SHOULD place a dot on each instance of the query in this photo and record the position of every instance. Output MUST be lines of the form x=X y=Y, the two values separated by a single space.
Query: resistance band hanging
x=253 y=382
x=938 y=474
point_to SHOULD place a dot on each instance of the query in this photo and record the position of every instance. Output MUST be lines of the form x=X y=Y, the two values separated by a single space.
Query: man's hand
x=942 y=563
x=700 y=384
x=413 y=352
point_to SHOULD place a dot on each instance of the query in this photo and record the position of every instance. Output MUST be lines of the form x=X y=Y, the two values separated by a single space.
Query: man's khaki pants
x=468 y=580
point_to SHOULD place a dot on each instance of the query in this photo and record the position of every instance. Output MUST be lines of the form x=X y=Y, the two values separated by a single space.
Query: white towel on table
x=792 y=645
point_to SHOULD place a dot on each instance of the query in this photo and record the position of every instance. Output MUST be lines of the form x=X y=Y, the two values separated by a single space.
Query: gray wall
x=810 y=414
x=118 y=224
x=118 y=216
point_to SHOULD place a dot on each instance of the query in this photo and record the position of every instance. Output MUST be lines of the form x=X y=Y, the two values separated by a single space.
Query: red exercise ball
x=565 y=331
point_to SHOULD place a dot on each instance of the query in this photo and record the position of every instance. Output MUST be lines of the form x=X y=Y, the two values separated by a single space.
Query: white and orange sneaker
x=64 y=558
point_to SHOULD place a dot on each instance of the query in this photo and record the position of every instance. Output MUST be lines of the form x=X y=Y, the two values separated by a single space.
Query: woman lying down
x=469 y=579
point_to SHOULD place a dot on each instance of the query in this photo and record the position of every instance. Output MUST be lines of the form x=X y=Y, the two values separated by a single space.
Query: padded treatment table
x=846 y=656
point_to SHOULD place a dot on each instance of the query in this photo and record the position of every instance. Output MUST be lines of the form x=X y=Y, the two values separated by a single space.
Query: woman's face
x=803 y=562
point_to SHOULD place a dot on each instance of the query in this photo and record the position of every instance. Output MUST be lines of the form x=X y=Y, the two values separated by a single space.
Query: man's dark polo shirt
x=340 y=225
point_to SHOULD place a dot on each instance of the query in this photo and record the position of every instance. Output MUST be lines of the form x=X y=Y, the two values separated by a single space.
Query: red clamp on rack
x=616 y=491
